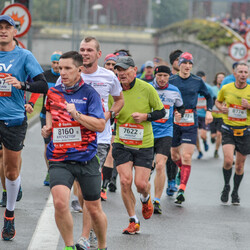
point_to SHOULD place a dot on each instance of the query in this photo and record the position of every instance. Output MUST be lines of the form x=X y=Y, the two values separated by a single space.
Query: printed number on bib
x=202 y=103
x=166 y=117
x=66 y=134
x=131 y=134
x=187 y=120
x=237 y=113
x=5 y=88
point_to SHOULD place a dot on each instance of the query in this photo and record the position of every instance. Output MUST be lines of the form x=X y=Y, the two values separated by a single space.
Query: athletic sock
x=9 y=214
x=178 y=163
x=185 y=172
x=107 y=173
x=135 y=218
x=144 y=199
x=12 y=188
x=157 y=199
x=227 y=175
x=237 y=181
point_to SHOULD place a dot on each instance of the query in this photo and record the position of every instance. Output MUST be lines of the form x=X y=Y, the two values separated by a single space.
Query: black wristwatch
x=112 y=114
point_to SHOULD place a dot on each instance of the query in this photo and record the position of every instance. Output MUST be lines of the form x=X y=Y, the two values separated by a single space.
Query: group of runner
x=156 y=125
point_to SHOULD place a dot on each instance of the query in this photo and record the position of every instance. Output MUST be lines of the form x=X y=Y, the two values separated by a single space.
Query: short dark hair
x=201 y=73
x=174 y=55
x=122 y=52
x=91 y=38
x=77 y=58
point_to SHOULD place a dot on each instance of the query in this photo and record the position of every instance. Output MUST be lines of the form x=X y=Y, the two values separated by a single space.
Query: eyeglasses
x=109 y=63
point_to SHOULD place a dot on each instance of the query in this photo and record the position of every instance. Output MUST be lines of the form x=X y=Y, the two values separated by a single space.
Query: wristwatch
x=78 y=113
x=112 y=114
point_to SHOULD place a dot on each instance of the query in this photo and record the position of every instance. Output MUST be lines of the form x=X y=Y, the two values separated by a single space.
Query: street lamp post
x=95 y=9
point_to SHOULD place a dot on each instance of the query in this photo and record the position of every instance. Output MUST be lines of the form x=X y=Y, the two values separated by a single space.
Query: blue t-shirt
x=202 y=103
x=20 y=63
x=170 y=97
x=88 y=102
x=190 y=88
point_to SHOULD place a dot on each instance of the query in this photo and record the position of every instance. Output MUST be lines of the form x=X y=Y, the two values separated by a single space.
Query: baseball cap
x=7 y=19
x=185 y=57
x=201 y=73
x=149 y=64
x=162 y=69
x=125 y=62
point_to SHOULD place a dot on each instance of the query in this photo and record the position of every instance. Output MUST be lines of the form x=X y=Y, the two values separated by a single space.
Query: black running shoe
x=225 y=193
x=180 y=197
x=8 y=231
x=157 y=207
x=235 y=198
x=20 y=194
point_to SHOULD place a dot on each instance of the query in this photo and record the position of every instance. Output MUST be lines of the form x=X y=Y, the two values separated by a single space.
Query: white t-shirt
x=105 y=83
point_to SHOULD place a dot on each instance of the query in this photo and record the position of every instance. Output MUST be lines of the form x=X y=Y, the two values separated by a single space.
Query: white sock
x=144 y=199
x=135 y=218
x=12 y=188
x=74 y=198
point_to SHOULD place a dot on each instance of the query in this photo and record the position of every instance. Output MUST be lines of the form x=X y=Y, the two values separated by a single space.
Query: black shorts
x=142 y=157
x=43 y=123
x=215 y=125
x=87 y=174
x=12 y=137
x=162 y=145
x=241 y=143
x=182 y=134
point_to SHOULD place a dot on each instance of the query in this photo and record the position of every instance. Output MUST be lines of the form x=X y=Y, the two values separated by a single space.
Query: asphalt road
x=201 y=223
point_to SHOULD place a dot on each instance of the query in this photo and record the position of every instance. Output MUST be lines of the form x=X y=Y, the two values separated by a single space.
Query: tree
x=169 y=11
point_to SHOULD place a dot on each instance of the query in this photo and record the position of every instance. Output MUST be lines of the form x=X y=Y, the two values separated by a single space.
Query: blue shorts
x=184 y=135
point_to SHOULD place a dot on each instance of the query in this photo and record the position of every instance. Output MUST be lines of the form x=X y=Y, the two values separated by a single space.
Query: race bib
x=131 y=134
x=237 y=113
x=67 y=134
x=187 y=119
x=166 y=117
x=5 y=88
x=202 y=103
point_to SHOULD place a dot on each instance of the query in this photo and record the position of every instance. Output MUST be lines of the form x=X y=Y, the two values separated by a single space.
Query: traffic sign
x=247 y=39
x=238 y=51
x=21 y=15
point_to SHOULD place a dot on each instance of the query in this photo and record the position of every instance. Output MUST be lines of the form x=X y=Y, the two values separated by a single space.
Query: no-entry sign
x=21 y=15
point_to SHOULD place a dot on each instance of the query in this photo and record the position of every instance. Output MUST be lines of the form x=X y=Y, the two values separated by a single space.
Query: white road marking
x=46 y=235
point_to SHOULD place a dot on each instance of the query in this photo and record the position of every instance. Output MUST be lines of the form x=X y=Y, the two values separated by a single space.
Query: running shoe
x=178 y=178
x=200 y=155
x=70 y=248
x=93 y=239
x=4 y=199
x=225 y=193
x=20 y=194
x=76 y=206
x=216 y=155
x=8 y=231
x=147 y=209
x=235 y=198
x=133 y=227
x=46 y=181
x=112 y=185
x=172 y=186
x=180 y=197
x=82 y=244
x=157 y=207
x=169 y=191
x=206 y=147
x=103 y=194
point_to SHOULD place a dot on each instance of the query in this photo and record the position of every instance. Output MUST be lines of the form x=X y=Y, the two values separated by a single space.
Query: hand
x=13 y=81
x=46 y=131
x=208 y=118
x=71 y=108
x=139 y=117
x=245 y=104
x=177 y=116
x=28 y=108
x=224 y=108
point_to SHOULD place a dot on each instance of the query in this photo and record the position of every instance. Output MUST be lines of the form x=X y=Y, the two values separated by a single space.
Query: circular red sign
x=247 y=39
x=21 y=15
x=238 y=51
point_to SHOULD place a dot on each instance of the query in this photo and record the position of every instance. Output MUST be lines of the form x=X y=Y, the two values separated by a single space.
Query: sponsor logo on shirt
x=79 y=101
x=3 y=67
